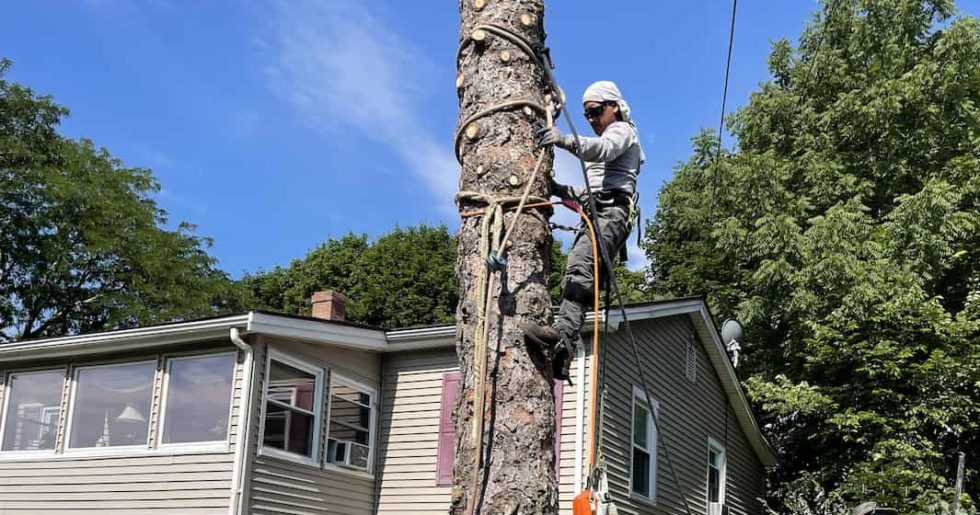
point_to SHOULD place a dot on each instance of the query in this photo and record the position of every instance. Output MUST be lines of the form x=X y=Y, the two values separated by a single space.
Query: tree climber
x=613 y=162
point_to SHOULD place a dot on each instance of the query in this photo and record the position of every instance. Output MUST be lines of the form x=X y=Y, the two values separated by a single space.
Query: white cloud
x=345 y=70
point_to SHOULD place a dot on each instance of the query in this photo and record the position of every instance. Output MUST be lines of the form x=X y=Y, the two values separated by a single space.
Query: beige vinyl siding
x=278 y=486
x=409 y=432
x=141 y=481
x=689 y=413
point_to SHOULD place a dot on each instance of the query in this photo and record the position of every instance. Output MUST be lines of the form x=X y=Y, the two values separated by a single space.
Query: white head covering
x=607 y=91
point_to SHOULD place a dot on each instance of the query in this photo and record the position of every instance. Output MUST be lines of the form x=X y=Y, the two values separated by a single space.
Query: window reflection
x=112 y=405
x=289 y=409
x=33 y=410
x=198 y=396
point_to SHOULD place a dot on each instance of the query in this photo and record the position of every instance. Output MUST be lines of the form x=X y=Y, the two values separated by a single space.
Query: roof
x=353 y=336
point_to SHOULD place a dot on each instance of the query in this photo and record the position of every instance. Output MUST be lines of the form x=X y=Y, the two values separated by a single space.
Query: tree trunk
x=517 y=473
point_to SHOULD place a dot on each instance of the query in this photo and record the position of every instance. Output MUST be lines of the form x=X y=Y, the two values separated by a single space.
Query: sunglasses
x=595 y=111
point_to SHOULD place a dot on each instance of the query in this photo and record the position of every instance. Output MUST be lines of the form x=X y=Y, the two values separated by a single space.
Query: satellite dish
x=731 y=330
x=731 y=336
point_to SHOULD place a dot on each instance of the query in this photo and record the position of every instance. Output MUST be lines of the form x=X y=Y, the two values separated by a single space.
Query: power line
x=724 y=105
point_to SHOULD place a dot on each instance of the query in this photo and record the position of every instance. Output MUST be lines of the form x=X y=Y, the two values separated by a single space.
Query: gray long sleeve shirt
x=612 y=159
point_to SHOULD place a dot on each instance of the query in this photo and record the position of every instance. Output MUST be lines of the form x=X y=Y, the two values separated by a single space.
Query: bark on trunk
x=498 y=154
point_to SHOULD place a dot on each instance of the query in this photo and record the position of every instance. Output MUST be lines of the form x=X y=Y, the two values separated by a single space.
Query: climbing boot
x=541 y=336
x=562 y=360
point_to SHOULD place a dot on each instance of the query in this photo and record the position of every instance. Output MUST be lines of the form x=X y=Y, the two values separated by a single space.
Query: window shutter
x=446 y=453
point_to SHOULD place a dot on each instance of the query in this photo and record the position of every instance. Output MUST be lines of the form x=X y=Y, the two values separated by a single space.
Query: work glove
x=553 y=136
x=562 y=191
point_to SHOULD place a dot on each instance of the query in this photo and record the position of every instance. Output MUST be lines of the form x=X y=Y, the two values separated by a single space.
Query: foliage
x=82 y=243
x=844 y=232
x=402 y=279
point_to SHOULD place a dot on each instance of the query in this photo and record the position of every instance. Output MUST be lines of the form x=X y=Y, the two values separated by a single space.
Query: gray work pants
x=577 y=287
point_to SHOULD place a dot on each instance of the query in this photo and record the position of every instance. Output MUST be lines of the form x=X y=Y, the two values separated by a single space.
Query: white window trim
x=5 y=400
x=282 y=357
x=716 y=446
x=639 y=394
x=70 y=414
x=340 y=379
x=217 y=445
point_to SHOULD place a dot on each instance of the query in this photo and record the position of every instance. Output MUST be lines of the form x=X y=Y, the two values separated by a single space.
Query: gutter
x=244 y=429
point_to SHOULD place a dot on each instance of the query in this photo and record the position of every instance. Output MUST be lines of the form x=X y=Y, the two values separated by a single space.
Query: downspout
x=244 y=424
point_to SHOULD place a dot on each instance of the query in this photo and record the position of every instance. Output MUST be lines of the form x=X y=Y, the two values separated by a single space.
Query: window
x=292 y=406
x=643 y=473
x=351 y=420
x=111 y=405
x=717 y=465
x=197 y=398
x=446 y=450
x=30 y=422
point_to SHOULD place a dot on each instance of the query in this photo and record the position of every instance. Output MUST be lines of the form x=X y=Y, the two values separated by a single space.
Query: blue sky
x=275 y=125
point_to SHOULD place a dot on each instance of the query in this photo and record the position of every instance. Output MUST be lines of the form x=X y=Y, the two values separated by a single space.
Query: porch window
x=717 y=465
x=197 y=399
x=292 y=407
x=111 y=405
x=30 y=421
x=643 y=472
x=349 y=430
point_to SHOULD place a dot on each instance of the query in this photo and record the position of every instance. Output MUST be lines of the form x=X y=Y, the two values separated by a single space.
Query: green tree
x=844 y=231
x=82 y=243
x=402 y=279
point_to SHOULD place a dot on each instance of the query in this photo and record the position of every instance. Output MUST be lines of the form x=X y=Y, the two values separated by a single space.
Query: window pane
x=112 y=405
x=640 y=425
x=641 y=472
x=291 y=386
x=349 y=413
x=714 y=484
x=33 y=411
x=288 y=430
x=350 y=416
x=348 y=434
x=198 y=393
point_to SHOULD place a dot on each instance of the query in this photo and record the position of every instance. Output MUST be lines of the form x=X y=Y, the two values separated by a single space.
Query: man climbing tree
x=614 y=159
x=505 y=427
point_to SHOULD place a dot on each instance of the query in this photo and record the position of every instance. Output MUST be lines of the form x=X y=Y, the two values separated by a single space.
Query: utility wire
x=724 y=106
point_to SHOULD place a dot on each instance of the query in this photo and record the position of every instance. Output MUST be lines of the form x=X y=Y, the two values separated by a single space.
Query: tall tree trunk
x=498 y=153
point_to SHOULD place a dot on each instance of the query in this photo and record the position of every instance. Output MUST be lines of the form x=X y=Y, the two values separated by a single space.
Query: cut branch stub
x=473 y=131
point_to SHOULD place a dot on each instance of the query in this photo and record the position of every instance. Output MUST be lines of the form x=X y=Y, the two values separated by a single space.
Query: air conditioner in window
x=717 y=508
x=350 y=455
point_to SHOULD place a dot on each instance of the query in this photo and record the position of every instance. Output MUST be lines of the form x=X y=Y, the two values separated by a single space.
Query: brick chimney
x=329 y=305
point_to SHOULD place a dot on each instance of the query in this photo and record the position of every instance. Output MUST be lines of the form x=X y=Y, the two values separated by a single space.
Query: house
x=266 y=413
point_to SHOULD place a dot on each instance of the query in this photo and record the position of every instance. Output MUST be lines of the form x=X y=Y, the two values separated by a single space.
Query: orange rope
x=594 y=374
